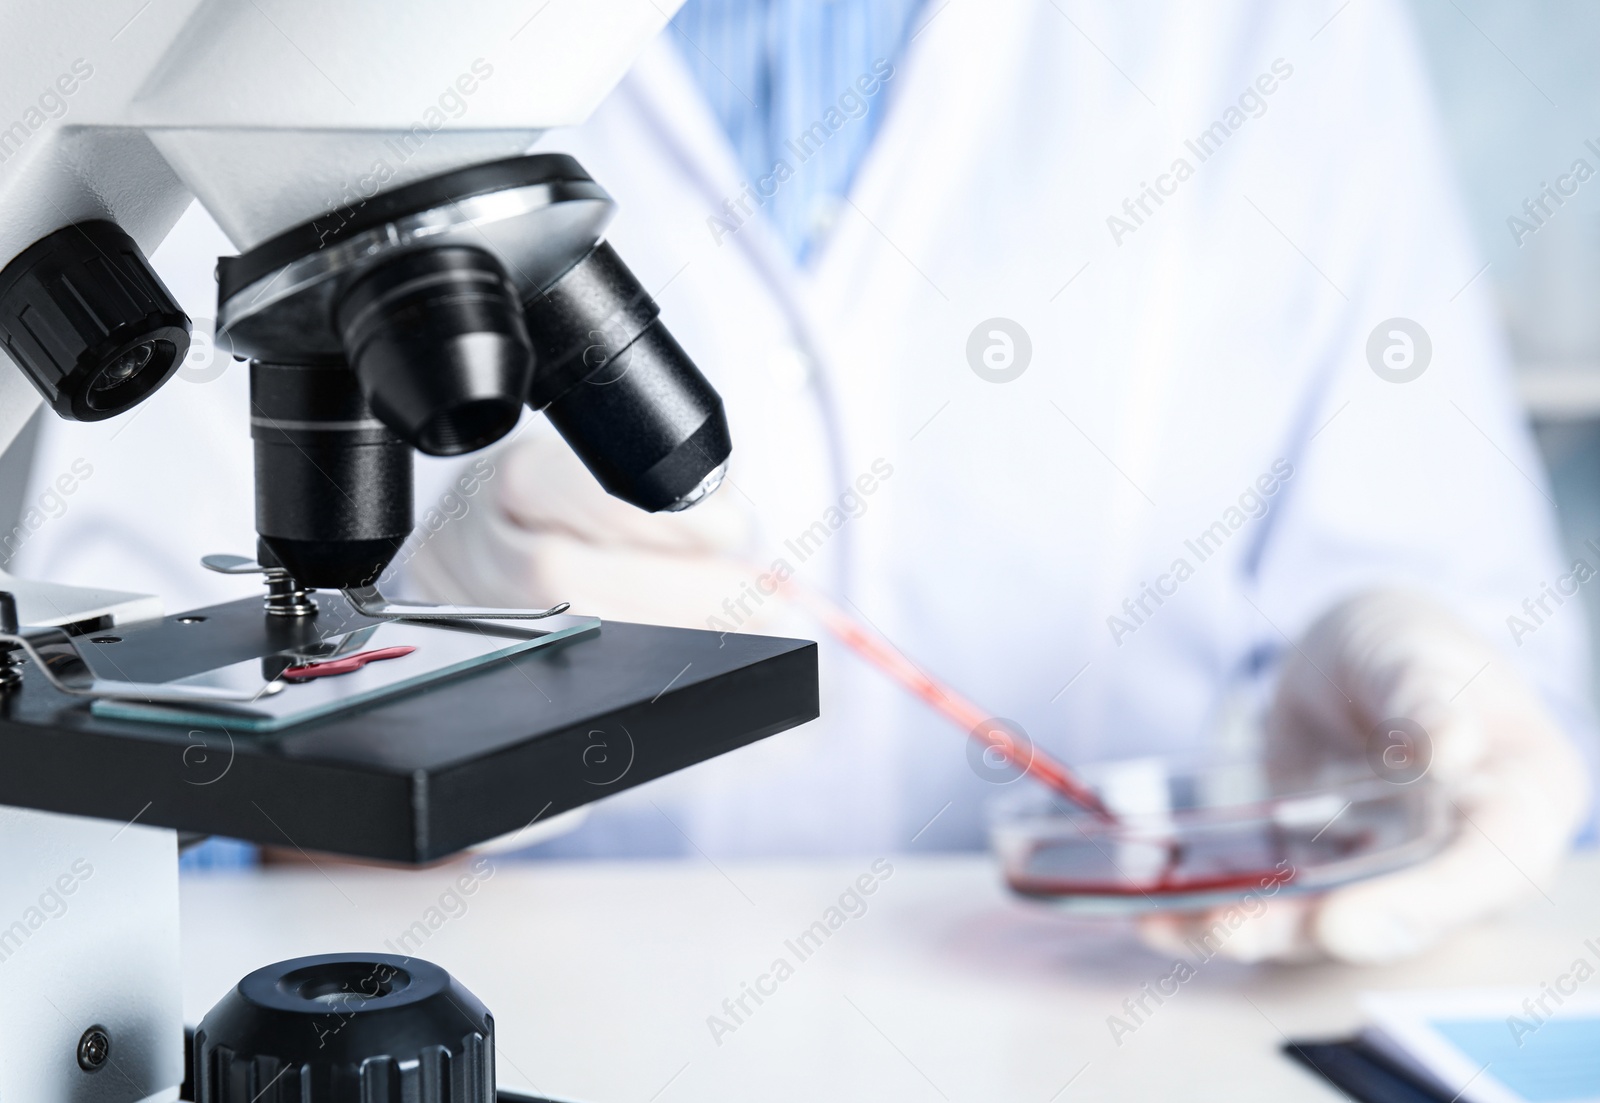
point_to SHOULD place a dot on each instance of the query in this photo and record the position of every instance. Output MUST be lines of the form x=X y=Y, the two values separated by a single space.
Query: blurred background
x=1520 y=95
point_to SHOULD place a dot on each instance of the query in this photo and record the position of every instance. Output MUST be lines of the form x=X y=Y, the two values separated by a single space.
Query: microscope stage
x=411 y=778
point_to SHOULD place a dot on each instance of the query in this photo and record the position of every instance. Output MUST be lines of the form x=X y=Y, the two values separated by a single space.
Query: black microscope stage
x=416 y=777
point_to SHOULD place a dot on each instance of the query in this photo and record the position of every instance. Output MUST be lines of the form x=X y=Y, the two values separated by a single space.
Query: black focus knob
x=90 y=322
x=346 y=1028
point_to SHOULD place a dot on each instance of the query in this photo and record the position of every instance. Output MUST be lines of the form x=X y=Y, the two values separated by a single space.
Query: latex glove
x=542 y=531
x=1517 y=780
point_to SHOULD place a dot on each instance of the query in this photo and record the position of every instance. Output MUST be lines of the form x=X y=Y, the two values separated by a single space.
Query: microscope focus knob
x=346 y=1028
x=89 y=322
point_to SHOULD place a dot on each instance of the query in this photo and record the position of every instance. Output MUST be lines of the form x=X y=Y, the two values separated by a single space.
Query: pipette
x=951 y=705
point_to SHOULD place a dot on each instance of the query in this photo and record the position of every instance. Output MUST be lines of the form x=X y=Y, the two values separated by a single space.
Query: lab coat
x=1199 y=392
x=1192 y=365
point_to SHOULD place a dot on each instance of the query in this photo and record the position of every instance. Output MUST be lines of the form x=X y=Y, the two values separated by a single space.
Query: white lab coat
x=1170 y=370
x=1223 y=338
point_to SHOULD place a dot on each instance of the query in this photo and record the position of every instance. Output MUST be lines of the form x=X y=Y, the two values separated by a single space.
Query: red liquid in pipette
x=950 y=704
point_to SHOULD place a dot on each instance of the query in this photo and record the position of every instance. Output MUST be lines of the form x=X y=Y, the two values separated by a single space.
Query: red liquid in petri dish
x=1238 y=862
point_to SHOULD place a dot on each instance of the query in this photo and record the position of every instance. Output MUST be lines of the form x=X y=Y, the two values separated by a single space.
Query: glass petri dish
x=1194 y=837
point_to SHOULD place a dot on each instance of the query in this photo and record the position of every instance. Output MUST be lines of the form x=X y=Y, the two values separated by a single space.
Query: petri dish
x=1190 y=837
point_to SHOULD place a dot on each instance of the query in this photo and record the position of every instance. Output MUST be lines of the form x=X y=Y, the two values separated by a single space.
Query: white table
x=602 y=978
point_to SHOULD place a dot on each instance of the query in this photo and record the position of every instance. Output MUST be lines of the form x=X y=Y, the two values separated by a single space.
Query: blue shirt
x=800 y=87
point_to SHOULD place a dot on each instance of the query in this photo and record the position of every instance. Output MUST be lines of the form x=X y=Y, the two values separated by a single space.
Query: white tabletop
x=602 y=978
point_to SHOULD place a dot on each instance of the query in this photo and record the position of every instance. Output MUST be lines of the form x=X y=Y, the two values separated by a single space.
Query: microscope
x=408 y=279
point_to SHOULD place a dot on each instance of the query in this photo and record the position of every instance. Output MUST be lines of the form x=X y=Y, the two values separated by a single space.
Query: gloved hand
x=1518 y=782
x=542 y=531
